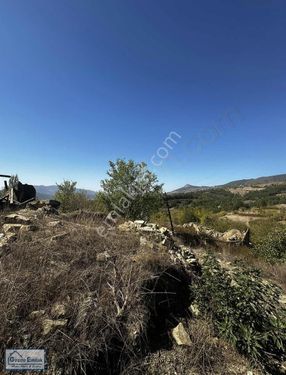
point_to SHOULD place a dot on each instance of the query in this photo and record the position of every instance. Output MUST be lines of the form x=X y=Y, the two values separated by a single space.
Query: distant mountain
x=47 y=192
x=190 y=189
x=233 y=184
x=258 y=181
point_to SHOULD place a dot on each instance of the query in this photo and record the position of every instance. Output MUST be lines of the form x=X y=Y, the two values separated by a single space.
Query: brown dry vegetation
x=207 y=355
x=103 y=300
x=116 y=303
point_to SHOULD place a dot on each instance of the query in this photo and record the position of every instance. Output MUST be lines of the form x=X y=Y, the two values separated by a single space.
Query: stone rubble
x=22 y=221
x=230 y=236
x=152 y=234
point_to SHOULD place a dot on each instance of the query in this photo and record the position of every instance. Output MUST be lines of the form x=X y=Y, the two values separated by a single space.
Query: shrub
x=223 y=225
x=71 y=199
x=245 y=311
x=273 y=247
x=131 y=190
x=259 y=229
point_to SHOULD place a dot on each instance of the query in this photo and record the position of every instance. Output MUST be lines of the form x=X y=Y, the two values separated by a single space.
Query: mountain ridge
x=48 y=191
x=232 y=184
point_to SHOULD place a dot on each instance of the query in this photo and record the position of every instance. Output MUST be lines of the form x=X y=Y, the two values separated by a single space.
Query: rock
x=59 y=236
x=283 y=368
x=58 y=310
x=147 y=229
x=36 y=314
x=54 y=204
x=127 y=226
x=194 y=309
x=165 y=231
x=181 y=336
x=143 y=241
x=168 y=242
x=28 y=228
x=54 y=224
x=152 y=225
x=102 y=257
x=282 y=300
x=10 y=237
x=232 y=235
x=11 y=228
x=139 y=223
x=17 y=219
x=16 y=228
x=49 y=325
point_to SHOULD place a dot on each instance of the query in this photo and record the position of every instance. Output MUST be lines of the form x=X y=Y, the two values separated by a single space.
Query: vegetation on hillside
x=223 y=200
x=70 y=198
x=245 y=310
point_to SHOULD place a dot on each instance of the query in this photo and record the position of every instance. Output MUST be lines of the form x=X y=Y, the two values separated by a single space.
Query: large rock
x=148 y=229
x=11 y=228
x=16 y=228
x=17 y=219
x=181 y=336
x=127 y=226
x=233 y=235
x=152 y=225
x=139 y=223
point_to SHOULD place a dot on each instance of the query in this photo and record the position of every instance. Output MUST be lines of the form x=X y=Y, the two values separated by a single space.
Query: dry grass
x=104 y=303
x=119 y=307
x=207 y=355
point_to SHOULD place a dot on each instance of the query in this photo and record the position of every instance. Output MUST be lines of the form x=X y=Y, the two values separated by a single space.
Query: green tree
x=131 y=190
x=66 y=194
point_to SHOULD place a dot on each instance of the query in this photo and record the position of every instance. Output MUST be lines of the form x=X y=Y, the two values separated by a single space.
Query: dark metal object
x=169 y=212
x=24 y=192
x=18 y=195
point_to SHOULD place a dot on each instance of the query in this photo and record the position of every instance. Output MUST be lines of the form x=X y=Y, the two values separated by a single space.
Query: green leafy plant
x=245 y=310
x=273 y=247
x=70 y=198
x=131 y=190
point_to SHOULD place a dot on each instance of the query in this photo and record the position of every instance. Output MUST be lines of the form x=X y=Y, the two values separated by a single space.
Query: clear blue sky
x=83 y=82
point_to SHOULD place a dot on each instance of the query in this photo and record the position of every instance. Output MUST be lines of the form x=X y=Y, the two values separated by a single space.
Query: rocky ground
x=115 y=305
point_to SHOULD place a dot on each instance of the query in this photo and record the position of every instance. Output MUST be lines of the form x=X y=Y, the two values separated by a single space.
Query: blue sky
x=84 y=82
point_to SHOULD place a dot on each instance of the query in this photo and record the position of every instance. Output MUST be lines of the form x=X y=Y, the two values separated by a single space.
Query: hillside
x=138 y=301
x=190 y=189
x=233 y=184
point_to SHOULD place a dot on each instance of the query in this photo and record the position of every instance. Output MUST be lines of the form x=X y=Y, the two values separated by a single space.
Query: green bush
x=273 y=247
x=223 y=225
x=259 y=229
x=245 y=310
x=131 y=190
